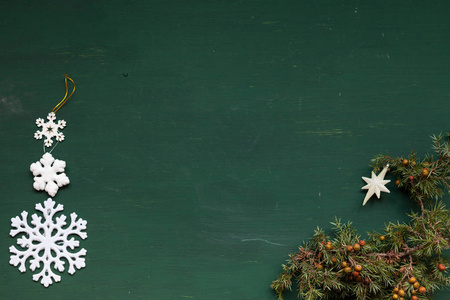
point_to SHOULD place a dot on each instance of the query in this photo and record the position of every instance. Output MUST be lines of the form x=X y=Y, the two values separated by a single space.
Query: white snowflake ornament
x=50 y=129
x=49 y=174
x=47 y=242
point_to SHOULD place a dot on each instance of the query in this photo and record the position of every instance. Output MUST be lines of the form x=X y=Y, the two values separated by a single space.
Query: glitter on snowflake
x=50 y=129
x=49 y=174
x=47 y=243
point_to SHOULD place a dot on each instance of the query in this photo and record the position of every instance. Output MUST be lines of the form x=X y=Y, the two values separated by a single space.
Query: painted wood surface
x=207 y=139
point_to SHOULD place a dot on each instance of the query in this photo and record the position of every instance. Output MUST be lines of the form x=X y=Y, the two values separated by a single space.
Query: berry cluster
x=413 y=288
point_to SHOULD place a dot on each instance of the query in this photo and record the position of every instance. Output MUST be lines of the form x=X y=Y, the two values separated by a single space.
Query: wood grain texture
x=207 y=139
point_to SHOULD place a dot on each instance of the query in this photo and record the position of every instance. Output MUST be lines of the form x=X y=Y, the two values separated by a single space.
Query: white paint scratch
x=262 y=240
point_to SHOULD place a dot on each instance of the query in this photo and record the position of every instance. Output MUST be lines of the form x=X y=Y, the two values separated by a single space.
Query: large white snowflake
x=48 y=243
x=50 y=129
x=49 y=174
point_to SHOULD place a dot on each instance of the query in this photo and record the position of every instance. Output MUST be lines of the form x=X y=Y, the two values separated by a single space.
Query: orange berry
x=395 y=296
x=425 y=172
x=319 y=267
x=358 y=268
x=328 y=247
x=397 y=182
x=355 y=273
x=333 y=259
x=441 y=267
x=416 y=285
x=344 y=264
x=414 y=297
x=356 y=247
x=382 y=237
x=412 y=280
x=422 y=290
x=405 y=162
x=349 y=248
x=395 y=290
x=411 y=177
x=347 y=269
x=401 y=293
x=362 y=242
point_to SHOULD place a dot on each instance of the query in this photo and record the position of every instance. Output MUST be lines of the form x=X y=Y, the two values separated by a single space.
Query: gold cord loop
x=64 y=100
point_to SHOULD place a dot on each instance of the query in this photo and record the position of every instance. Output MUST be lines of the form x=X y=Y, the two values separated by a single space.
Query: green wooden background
x=207 y=139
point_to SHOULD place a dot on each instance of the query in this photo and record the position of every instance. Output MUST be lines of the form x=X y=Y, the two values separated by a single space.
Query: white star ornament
x=375 y=185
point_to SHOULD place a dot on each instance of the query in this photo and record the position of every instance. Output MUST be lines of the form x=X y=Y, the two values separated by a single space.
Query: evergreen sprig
x=404 y=261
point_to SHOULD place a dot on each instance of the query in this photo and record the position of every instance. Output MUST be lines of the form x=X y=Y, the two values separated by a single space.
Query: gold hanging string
x=64 y=100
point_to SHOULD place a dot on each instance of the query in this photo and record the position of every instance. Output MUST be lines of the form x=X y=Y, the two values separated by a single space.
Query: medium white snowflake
x=47 y=242
x=50 y=129
x=49 y=174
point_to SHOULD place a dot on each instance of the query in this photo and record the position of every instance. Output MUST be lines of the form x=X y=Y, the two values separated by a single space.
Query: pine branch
x=403 y=261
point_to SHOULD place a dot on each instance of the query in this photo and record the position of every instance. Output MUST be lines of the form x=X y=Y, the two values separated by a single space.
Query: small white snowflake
x=49 y=174
x=50 y=129
x=47 y=242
